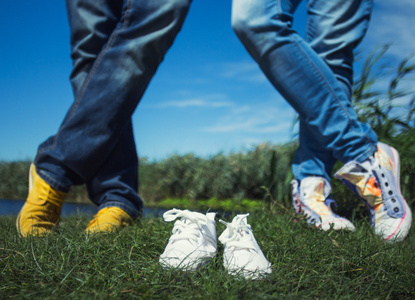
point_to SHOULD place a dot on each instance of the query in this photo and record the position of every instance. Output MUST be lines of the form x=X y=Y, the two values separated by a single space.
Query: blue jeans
x=314 y=75
x=116 y=48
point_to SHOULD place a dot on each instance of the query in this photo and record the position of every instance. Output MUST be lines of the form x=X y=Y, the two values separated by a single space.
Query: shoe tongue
x=369 y=163
x=211 y=216
x=244 y=230
x=312 y=185
x=244 y=219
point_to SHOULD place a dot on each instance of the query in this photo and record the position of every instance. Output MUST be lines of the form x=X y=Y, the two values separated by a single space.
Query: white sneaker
x=312 y=199
x=193 y=242
x=242 y=255
x=376 y=181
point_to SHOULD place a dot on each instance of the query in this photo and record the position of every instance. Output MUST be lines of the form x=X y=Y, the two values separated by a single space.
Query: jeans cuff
x=129 y=208
x=49 y=179
x=372 y=150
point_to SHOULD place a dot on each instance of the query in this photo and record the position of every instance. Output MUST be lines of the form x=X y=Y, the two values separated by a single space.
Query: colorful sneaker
x=42 y=209
x=312 y=199
x=242 y=255
x=376 y=182
x=193 y=242
x=109 y=219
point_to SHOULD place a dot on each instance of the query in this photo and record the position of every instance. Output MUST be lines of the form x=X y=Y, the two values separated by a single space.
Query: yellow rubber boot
x=42 y=209
x=109 y=219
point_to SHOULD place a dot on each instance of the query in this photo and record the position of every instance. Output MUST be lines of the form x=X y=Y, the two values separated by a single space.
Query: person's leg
x=115 y=187
x=91 y=24
x=302 y=77
x=334 y=29
x=110 y=92
x=309 y=85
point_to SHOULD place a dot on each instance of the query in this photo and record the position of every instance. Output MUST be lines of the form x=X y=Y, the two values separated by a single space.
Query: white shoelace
x=239 y=234
x=189 y=227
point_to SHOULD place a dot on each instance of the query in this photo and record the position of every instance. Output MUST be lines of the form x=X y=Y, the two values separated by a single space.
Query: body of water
x=12 y=208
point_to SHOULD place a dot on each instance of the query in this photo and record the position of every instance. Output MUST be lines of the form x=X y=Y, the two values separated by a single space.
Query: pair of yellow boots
x=43 y=206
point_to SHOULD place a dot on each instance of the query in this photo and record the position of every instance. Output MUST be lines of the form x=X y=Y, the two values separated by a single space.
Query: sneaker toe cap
x=250 y=265
x=182 y=260
x=337 y=224
x=394 y=229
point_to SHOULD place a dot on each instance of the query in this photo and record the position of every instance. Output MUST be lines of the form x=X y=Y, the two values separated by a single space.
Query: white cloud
x=196 y=102
x=254 y=125
x=243 y=71
x=185 y=99
x=266 y=118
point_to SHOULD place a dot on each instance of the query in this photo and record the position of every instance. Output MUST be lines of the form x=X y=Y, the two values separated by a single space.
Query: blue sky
x=208 y=96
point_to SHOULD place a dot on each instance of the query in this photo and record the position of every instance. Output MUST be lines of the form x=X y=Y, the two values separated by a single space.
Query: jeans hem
x=133 y=212
x=52 y=182
x=372 y=150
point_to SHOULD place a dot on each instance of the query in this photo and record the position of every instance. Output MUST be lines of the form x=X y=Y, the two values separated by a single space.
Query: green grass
x=307 y=263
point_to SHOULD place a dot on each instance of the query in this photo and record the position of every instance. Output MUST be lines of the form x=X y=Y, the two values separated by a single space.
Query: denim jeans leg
x=91 y=24
x=109 y=94
x=116 y=183
x=334 y=29
x=302 y=77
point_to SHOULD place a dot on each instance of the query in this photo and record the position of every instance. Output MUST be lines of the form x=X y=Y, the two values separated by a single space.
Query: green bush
x=236 y=176
x=14 y=179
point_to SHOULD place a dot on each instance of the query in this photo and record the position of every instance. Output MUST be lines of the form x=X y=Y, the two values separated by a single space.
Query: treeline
x=248 y=174
x=262 y=173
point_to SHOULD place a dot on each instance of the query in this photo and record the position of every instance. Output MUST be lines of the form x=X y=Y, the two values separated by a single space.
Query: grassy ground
x=307 y=263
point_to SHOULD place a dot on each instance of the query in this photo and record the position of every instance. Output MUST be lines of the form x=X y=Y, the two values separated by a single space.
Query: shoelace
x=239 y=233
x=188 y=227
